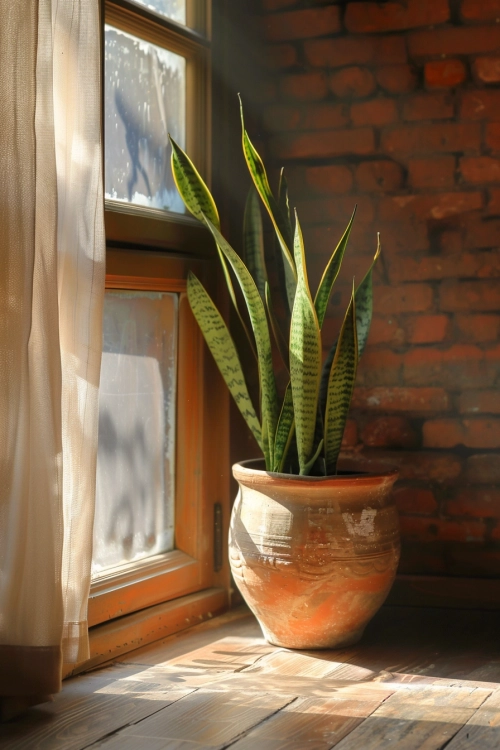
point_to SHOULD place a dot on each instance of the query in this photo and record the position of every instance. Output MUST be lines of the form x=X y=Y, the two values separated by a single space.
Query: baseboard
x=127 y=633
x=442 y=591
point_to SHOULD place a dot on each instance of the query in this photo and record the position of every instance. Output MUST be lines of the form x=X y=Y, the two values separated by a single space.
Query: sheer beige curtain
x=51 y=295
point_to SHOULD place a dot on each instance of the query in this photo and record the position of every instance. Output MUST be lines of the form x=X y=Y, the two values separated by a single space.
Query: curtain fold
x=51 y=295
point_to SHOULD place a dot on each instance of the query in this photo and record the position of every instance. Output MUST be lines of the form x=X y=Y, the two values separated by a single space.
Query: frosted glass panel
x=145 y=93
x=174 y=9
x=136 y=451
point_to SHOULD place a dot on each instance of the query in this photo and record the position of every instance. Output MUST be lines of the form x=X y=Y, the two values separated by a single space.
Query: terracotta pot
x=314 y=557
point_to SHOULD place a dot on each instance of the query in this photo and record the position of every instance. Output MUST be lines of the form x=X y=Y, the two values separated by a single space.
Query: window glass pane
x=136 y=451
x=173 y=9
x=145 y=93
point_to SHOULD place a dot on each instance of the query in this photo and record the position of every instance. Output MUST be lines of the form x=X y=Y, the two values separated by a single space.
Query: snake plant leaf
x=364 y=303
x=310 y=464
x=253 y=241
x=258 y=319
x=284 y=205
x=200 y=203
x=284 y=430
x=223 y=350
x=259 y=177
x=330 y=274
x=191 y=186
x=305 y=357
x=278 y=336
x=340 y=387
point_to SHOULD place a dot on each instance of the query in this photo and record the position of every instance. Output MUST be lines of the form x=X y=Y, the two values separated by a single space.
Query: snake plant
x=299 y=431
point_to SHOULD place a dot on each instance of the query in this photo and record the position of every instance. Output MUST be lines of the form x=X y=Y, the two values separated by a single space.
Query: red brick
x=336 y=53
x=413 y=400
x=480 y=105
x=480 y=402
x=302 y=24
x=354 y=82
x=379 y=176
x=480 y=169
x=427 y=329
x=476 y=502
x=386 y=331
x=278 y=117
x=318 y=211
x=350 y=437
x=431 y=139
x=428 y=107
x=396 y=238
x=437 y=267
x=403 y=299
x=482 y=233
x=478 y=328
x=450 y=242
x=304 y=86
x=396 y=79
x=323 y=144
x=461 y=365
x=368 y=17
x=438 y=172
x=389 y=432
x=454 y=41
x=374 y=112
x=487 y=69
x=442 y=74
x=412 y=465
x=380 y=367
x=482 y=10
x=280 y=56
x=430 y=530
x=424 y=207
x=473 y=433
x=493 y=135
x=329 y=179
x=483 y=468
x=461 y=296
x=415 y=500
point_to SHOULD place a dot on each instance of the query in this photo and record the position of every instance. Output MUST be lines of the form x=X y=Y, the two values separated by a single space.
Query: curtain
x=51 y=297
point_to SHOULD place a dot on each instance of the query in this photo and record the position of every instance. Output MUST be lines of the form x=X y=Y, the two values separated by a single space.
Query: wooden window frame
x=154 y=250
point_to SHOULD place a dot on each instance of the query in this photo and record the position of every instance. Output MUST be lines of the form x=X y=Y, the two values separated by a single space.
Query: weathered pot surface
x=314 y=557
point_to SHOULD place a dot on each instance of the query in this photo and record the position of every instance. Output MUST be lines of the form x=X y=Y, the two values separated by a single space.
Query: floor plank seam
x=244 y=734
x=117 y=731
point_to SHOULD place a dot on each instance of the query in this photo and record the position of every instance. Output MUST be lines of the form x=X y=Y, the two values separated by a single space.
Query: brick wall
x=395 y=106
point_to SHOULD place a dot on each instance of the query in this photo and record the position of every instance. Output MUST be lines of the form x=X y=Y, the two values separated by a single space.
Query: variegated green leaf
x=284 y=206
x=191 y=187
x=253 y=241
x=330 y=274
x=223 y=350
x=364 y=304
x=278 y=336
x=340 y=387
x=284 y=430
x=258 y=319
x=310 y=464
x=259 y=177
x=305 y=357
x=200 y=203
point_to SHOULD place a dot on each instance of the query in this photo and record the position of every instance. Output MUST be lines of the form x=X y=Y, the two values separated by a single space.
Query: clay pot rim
x=244 y=471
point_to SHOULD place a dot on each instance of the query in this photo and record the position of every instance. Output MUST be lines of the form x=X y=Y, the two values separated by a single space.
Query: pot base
x=306 y=644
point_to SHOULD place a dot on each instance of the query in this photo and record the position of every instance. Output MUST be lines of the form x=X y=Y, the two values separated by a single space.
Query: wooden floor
x=419 y=679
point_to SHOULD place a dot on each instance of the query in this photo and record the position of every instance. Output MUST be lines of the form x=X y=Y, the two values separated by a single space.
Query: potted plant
x=313 y=550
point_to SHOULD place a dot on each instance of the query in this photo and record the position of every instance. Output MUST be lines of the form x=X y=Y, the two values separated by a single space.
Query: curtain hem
x=30 y=670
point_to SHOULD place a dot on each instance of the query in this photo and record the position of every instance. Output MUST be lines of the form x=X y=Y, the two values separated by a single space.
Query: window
x=161 y=487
